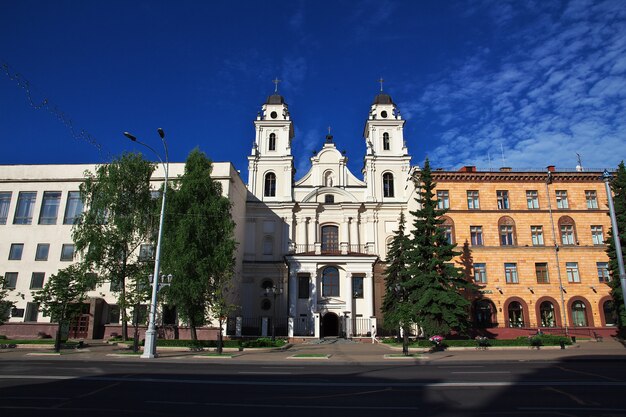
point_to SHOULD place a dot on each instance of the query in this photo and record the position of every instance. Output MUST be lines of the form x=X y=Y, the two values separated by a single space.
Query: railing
x=361 y=327
x=331 y=250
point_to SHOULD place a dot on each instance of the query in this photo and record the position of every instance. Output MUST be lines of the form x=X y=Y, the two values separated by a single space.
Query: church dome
x=275 y=99
x=383 y=98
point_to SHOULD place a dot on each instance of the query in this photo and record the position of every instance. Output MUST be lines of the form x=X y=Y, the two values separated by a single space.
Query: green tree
x=437 y=287
x=198 y=245
x=62 y=296
x=618 y=186
x=5 y=304
x=118 y=219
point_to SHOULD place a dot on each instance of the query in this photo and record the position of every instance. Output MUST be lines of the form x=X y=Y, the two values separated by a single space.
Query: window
x=10 y=280
x=472 y=200
x=330 y=282
x=42 y=252
x=50 y=207
x=476 y=234
x=357 y=287
x=272 y=142
x=330 y=239
x=25 y=207
x=67 y=252
x=448 y=230
x=270 y=185
x=571 y=269
x=443 y=199
x=597 y=235
x=536 y=233
x=385 y=141
x=5 y=202
x=516 y=314
x=329 y=199
x=579 y=314
x=74 y=206
x=546 y=311
x=480 y=273
x=610 y=313
x=561 y=199
x=17 y=312
x=146 y=252
x=541 y=270
x=484 y=313
x=506 y=226
x=15 y=253
x=592 y=199
x=114 y=313
x=303 y=287
x=532 y=199
x=603 y=271
x=388 y=184
x=32 y=312
x=268 y=245
x=510 y=273
x=140 y=314
x=503 y=199
x=36 y=280
x=567 y=230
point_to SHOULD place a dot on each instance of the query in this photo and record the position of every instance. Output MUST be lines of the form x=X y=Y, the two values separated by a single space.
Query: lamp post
x=275 y=292
x=606 y=176
x=149 y=351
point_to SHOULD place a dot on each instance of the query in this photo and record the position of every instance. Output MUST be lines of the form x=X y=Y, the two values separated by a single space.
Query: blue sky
x=535 y=81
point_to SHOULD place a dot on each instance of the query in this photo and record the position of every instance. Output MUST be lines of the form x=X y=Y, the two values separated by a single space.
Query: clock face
x=273 y=115
x=383 y=114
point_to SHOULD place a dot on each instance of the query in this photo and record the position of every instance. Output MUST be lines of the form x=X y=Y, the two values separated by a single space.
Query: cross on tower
x=329 y=130
x=381 y=81
x=276 y=81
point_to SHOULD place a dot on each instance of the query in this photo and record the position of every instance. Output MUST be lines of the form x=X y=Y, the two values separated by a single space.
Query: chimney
x=468 y=168
x=551 y=168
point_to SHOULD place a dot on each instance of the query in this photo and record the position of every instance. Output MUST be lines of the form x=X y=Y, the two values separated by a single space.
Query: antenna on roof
x=489 y=158
x=579 y=167
x=502 y=152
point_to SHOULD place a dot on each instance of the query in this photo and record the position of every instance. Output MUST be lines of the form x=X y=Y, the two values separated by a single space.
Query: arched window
x=579 y=314
x=506 y=226
x=330 y=282
x=386 y=141
x=272 y=142
x=567 y=230
x=547 y=315
x=270 y=185
x=330 y=239
x=448 y=229
x=610 y=313
x=388 y=184
x=484 y=313
x=516 y=314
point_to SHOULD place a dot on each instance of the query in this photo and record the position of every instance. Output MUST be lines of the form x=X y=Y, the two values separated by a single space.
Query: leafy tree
x=5 y=305
x=117 y=221
x=618 y=186
x=62 y=296
x=198 y=245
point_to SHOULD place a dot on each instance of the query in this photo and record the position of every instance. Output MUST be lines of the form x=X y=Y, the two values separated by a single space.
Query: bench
x=598 y=337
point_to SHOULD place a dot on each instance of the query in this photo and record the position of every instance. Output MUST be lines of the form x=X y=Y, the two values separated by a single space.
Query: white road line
x=481 y=372
x=264 y=373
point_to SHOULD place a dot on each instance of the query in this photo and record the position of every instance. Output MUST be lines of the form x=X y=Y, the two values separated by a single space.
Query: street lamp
x=275 y=292
x=149 y=350
x=606 y=176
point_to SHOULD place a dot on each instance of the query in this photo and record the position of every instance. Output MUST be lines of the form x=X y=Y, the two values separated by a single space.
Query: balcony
x=330 y=250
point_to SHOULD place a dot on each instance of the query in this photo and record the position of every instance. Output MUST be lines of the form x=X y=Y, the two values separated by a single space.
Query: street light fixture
x=149 y=351
x=275 y=292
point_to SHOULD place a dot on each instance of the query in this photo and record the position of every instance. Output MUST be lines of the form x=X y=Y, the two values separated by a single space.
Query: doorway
x=330 y=325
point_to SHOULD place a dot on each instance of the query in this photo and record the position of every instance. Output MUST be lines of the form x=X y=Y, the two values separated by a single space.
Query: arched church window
x=270 y=185
x=330 y=239
x=272 y=142
x=548 y=317
x=516 y=314
x=386 y=141
x=388 y=184
x=330 y=282
x=579 y=314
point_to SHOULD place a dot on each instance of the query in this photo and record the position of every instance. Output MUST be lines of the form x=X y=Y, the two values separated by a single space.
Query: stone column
x=301 y=234
x=368 y=294
x=293 y=292
x=348 y=298
x=345 y=236
x=354 y=231
x=287 y=228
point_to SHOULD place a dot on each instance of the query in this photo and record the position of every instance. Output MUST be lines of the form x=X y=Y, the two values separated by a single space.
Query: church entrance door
x=330 y=325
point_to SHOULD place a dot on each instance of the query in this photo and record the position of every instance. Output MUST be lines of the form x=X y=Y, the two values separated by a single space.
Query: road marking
x=312 y=406
x=481 y=372
x=619 y=410
x=460 y=366
x=264 y=373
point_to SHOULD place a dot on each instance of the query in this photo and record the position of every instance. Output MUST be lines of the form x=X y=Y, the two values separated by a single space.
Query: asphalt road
x=127 y=388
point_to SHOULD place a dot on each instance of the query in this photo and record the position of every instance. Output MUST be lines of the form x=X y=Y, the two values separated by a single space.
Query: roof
x=275 y=99
x=383 y=98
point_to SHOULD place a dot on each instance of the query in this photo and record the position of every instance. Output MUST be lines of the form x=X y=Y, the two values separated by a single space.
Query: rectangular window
x=473 y=202
x=597 y=235
x=506 y=236
x=36 y=281
x=303 y=287
x=603 y=271
x=536 y=232
x=510 y=273
x=503 y=199
x=357 y=287
x=114 y=314
x=447 y=231
x=480 y=273
x=73 y=207
x=32 y=312
x=541 y=270
x=476 y=234
x=592 y=199
x=10 y=280
x=146 y=252
x=67 y=252
x=140 y=314
x=561 y=199
x=567 y=234
x=5 y=202
x=50 y=207
x=115 y=286
x=25 y=207
x=17 y=312
x=532 y=199
x=443 y=199
x=15 y=253
x=571 y=269
x=42 y=252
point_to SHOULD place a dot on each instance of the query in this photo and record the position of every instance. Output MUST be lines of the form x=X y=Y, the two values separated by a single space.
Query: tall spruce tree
x=618 y=186
x=199 y=245
x=437 y=287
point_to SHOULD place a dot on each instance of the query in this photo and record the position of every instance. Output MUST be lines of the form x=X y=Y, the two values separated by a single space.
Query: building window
x=303 y=287
x=603 y=271
x=330 y=239
x=272 y=142
x=476 y=234
x=266 y=304
x=567 y=230
x=561 y=199
x=268 y=245
x=388 y=184
x=10 y=280
x=597 y=235
x=592 y=199
x=506 y=226
x=113 y=316
x=32 y=312
x=484 y=313
x=270 y=184
x=386 y=141
x=480 y=273
x=330 y=282
x=140 y=314
x=579 y=314
x=541 y=270
x=25 y=208
x=15 y=252
x=42 y=251
x=536 y=233
x=74 y=206
x=67 y=252
x=146 y=252
x=448 y=230
x=5 y=202
x=503 y=199
x=532 y=199
x=357 y=287
x=571 y=269
x=510 y=273
x=443 y=199
x=50 y=207
x=36 y=280
x=546 y=311
x=516 y=314
x=610 y=313
x=472 y=200
x=329 y=199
